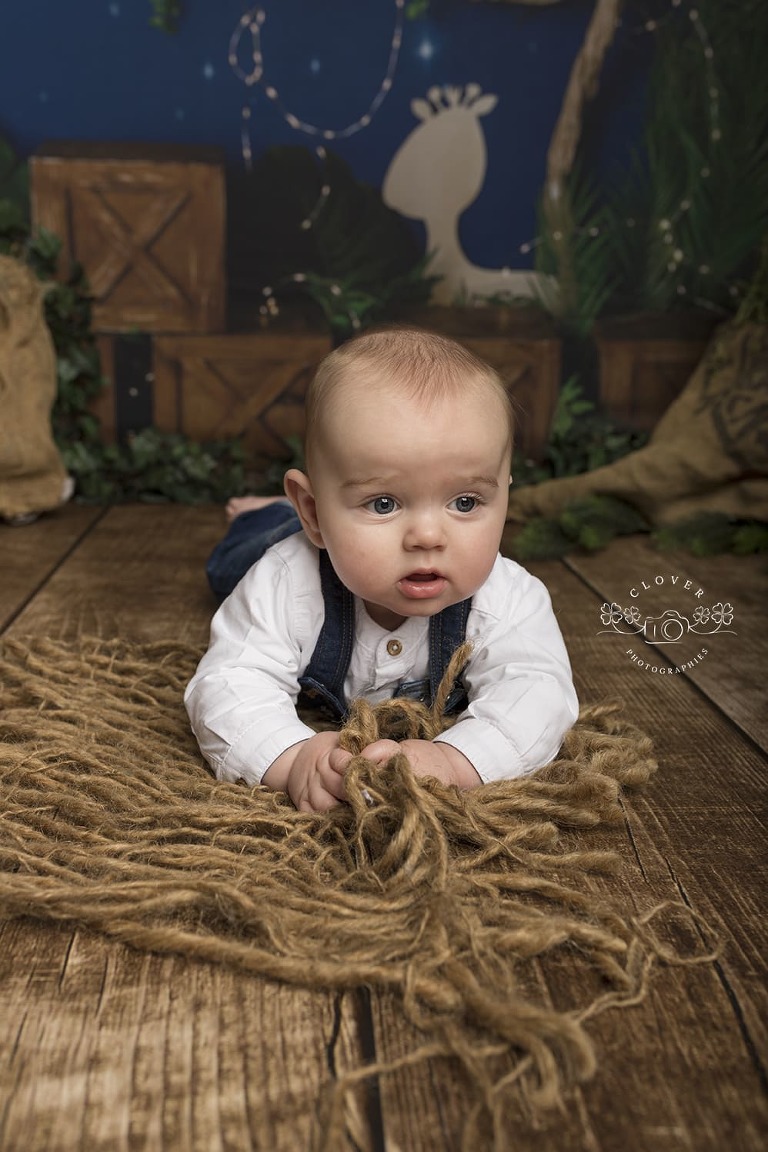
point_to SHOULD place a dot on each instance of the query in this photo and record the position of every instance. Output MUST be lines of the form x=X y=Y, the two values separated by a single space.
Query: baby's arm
x=242 y=699
x=312 y=773
x=518 y=679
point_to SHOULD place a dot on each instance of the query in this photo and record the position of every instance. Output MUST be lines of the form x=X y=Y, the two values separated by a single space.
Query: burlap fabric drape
x=32 y=475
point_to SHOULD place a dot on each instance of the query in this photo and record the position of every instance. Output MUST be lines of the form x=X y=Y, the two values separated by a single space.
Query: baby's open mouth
x=422 y=585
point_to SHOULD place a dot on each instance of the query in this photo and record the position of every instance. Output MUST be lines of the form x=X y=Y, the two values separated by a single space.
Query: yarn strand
x=444 y=901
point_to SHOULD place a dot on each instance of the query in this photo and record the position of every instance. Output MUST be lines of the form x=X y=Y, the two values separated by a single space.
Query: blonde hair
x=421 y=364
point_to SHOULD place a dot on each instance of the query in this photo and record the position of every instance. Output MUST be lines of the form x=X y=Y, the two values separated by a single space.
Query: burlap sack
x=32 y=476
x=709 y=451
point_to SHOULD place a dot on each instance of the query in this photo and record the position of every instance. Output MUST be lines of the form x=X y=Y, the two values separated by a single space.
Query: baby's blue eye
x=465 y=503
x=383 y=505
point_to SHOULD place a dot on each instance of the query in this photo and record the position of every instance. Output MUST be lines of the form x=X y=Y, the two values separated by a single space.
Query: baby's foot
x=239 y=504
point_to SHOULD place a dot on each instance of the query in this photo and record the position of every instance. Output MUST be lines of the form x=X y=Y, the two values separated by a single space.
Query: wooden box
x=645 y=362
x=252 y=384
x=147 y=222
x=246 y=384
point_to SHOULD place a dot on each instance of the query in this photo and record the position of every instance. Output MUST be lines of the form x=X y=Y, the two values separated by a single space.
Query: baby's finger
x=339 y=760
x=381 y=751
x=333 y=783
x=322 y=799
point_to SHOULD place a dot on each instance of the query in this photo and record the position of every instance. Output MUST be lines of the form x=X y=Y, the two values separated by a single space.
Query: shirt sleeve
x=521 y=695
x=242 y=699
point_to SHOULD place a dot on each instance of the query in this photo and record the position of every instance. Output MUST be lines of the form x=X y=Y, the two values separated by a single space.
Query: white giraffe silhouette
x=438 y=172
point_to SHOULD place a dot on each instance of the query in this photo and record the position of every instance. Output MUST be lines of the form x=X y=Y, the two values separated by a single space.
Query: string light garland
x=252 y=74
x=667 y=225
x=251 y=23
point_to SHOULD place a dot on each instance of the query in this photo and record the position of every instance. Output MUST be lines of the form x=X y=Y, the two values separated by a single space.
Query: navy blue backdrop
x=95 y=69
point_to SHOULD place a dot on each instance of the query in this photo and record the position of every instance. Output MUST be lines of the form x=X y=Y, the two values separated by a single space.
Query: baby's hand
x=427 y=758
x=312 y=773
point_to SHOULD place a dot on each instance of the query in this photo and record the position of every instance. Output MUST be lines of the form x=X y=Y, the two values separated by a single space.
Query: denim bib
x=323 y=681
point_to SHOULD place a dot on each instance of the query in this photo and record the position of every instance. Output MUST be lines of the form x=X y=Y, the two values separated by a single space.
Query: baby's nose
x=425 y=530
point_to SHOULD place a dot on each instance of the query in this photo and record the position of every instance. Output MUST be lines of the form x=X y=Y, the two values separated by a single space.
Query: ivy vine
x=151 y=466
x=166 y=15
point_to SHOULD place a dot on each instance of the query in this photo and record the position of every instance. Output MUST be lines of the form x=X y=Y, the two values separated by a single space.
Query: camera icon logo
x=667 y=628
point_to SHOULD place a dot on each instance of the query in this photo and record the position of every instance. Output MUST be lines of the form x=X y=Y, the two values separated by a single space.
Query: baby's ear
x=298 y=489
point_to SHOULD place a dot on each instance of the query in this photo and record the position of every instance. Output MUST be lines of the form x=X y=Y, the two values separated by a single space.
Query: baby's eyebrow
x=488 y=481
x=383 y=481
x=366 y=482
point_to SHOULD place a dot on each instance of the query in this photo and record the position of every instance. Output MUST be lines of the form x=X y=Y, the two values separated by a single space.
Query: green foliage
x=14 y=197
x=595 y=520
x=151 y=466
x=682 y=227
x=541 y=539
x=356 y=258
x=166 y=15
x=589 y=524
x=713 y=533
x=749 y=537
x=349 y=305
x=156 y=467
x=700 y=195
x=588 y=250
x=581 y=438
x=68 y=316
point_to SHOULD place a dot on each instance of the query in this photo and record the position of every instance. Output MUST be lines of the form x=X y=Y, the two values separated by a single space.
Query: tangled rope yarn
x=457 y=904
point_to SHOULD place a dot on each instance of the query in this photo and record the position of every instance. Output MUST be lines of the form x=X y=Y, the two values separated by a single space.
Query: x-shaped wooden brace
x=129 y=248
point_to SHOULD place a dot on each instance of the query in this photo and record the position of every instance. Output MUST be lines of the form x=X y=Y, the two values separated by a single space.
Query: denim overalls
x=322 y=684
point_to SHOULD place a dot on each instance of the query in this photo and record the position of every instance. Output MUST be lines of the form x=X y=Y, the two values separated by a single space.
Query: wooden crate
x=245 y=384
x=253 y=384
x=148 y=225
x=646 y=362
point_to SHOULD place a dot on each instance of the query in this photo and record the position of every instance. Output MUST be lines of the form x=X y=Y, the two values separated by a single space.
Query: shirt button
x=394 y=647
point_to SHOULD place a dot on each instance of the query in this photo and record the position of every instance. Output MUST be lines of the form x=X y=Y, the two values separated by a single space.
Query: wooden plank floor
x=111 y=1049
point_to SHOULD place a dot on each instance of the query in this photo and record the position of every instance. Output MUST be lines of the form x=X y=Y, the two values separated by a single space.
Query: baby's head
x=402 y=364
x=408 y=449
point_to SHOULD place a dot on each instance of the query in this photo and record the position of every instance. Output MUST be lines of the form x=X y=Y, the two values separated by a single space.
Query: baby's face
x=411 y=497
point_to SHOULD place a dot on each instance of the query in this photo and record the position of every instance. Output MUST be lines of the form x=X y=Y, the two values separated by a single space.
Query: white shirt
x=242 y=698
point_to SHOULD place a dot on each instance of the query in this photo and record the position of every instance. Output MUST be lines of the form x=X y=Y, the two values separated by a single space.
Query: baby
x=382 y=560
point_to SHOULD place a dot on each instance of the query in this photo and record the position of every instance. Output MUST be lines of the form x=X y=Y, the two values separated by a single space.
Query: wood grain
x=686 y=1069
x=30 y=553
x=148 y=226
x=111 y=1049
x=733 y=673
x=140 y=574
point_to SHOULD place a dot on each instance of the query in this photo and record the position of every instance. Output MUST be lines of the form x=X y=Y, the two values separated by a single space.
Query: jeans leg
x=247 y=539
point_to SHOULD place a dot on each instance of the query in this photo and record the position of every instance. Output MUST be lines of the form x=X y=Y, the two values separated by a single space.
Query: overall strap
x=447 y=630
x=323 y=681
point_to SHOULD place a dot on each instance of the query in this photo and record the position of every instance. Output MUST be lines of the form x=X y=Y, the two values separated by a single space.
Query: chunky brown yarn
x=447 y=900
